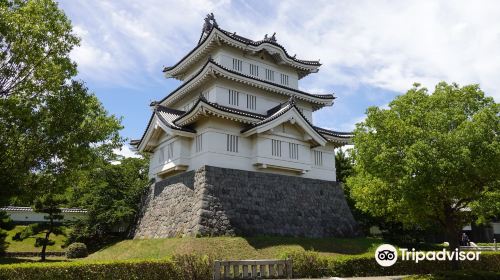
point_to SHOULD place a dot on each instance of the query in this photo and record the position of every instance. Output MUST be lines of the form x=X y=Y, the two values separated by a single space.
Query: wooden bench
x=252 y=269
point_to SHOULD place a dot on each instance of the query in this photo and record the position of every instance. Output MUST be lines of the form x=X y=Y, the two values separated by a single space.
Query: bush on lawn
x=77 y=250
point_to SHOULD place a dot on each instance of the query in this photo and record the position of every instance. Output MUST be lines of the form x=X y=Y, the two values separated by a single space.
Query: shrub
x=77 y=250
x=154 y=270
x=193 y=267
x=184 y=267
x=458 y=275
x=307 y=264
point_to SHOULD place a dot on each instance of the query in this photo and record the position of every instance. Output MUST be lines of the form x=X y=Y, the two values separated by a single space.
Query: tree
x=35 y=41
x=428 y=158
x=50 y=205
x=343 y=165
x=50 y=125
x=112 y=198
x=52 y=129
x=6 y=223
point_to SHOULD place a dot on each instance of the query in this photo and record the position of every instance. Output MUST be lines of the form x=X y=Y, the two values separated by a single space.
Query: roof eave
x=219 y=36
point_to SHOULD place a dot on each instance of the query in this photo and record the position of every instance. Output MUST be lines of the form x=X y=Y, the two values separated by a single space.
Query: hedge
x=305 y=264
x=458 y=275
x=180 y=267
x=310 y=264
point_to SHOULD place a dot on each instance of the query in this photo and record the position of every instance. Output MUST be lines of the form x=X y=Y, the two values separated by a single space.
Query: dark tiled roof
x=211 y=61
x=202 y=99
x=170 y=116
x=339 y=134
x=243 y=40
x=260 y=42
x=166 y=115
x=322 y=96
x=278 y=111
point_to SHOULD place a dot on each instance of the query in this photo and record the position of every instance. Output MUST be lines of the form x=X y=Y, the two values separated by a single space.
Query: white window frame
x=234 y=97
x=232 y=143
x=199 y=143
x=318 y=158
x=293 y=151
x=251 y=102
x=276 y=147
x=237 y=64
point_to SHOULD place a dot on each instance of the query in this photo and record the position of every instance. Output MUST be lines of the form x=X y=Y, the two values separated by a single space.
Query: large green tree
x=51 y=127
x=429 y=159
x=112 y=195
x=50 y=124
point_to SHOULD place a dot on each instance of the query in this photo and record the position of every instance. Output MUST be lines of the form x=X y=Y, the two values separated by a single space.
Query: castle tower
x=234 y=149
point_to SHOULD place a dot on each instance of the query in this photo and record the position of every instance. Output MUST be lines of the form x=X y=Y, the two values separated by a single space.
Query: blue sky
x=371 y=51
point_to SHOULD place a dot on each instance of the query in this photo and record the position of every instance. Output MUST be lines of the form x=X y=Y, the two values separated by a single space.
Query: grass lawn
x=28 y=245
x=234 y=247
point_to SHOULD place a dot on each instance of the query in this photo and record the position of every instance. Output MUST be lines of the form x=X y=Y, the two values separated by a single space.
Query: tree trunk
x=44 y=246
x=452 y=232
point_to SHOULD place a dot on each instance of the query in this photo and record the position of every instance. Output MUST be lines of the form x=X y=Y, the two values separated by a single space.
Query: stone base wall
x=214 y=201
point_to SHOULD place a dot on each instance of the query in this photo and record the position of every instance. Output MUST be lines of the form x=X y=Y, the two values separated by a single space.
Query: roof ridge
x=169 y=110
x=242 y=39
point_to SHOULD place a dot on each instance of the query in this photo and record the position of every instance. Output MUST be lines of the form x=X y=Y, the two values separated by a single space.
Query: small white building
x=26 y=214
x=239 y=106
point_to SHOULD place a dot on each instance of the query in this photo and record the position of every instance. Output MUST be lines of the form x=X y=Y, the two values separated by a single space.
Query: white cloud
x=126 y=152
x=385 y=44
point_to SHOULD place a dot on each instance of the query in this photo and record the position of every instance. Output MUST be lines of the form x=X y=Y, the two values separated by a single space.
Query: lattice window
x=161 y=155
x=251 y=102
x=318 y=158
x=199 y=143
x=276 y=148
x=232 y=143
x=284 y=79
x=269 y=75
x=254 y=70
x=237 y=64
x=234 y=97
x=170 y=151
x=293 y=150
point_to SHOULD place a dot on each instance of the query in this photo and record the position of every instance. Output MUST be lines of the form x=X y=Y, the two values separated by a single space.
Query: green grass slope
x=234 y=247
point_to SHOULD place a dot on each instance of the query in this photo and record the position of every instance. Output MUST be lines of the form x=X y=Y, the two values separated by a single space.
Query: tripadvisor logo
x=387 y=255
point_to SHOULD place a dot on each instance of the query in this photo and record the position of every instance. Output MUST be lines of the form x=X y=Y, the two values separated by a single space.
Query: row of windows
x=254 y=71
x=293 y=149
x=234 y=99
x=232 y=143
